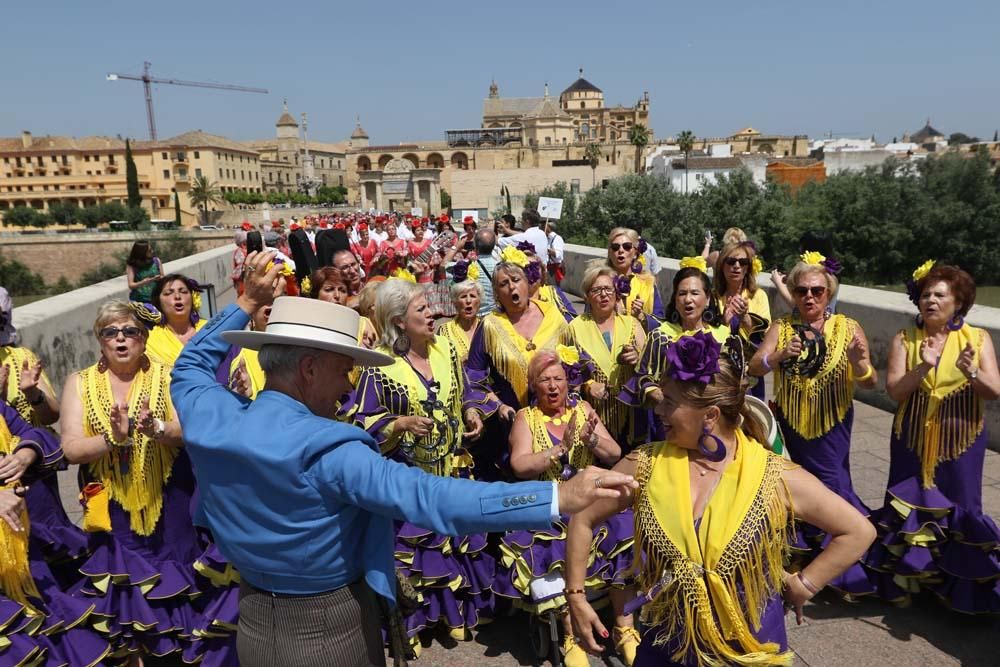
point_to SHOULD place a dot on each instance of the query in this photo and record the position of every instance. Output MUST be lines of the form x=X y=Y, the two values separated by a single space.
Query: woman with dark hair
x=178 y=298
x=818 y=358
x=712 y=516
x=328 y=284
x=142 y=270
x=735 y=290
x=933 y=532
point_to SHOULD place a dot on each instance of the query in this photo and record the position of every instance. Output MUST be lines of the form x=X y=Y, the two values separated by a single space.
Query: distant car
x=209 y=228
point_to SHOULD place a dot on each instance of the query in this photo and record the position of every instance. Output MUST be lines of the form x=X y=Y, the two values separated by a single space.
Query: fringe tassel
x=940 y=430
x=16 y=581
x=579 y=456
x=683 y=610
x=508 y=360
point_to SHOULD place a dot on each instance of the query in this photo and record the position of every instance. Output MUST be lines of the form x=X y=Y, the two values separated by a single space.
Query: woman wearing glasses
x=414 y=409
x=818 y=358
x=118 y=423
x=736 y=291
x=625 y=256
x=611 y=342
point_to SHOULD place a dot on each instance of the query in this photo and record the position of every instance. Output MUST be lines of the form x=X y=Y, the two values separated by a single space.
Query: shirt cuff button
x=532 y=498
x=506 y=502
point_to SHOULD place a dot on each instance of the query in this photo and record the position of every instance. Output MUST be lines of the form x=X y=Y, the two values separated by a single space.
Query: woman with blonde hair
x=626 y=256
x=735 y=291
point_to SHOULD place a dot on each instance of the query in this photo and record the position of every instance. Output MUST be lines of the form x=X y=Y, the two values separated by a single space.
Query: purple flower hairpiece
x=623 y=285
x=643 y=246
x=460 y=271
x=832 y=265
x=637 y=267
x=526 y=246
x=749 y=244
x=694 y=358
x=533 y=272
x=913 y=291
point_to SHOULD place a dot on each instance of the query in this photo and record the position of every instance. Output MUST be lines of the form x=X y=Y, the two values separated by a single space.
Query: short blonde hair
x=734 y=235
x=366 y=298
x=542 y=360
x=458 y=289
x=394 y=297
x=593 y=272
x=632 y=235
x=112 y=311
x=506 y=267
x=802 y=269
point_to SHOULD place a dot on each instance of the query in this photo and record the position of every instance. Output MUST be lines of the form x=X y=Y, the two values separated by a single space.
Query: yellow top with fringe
x=813 y=406
x=641 y=287
x=163 y=345
x=510 y=352
x=14 y=359
x=16 y=581
x=579 y=455
x=454 y=333
x=945 y=415
x=136 y=475
x=717 y=579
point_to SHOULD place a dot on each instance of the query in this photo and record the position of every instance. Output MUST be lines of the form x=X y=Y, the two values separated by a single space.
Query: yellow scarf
x=741 y=542
x=946 y=416
x=548 y=293
x=813 y=406
x=14 y=358
x=164 y=346
x=256 y=373
x=402 y=393
x=509 y=350
x=641 y=287
x=16 y=581
x=759 y=309
x=579 y=456
x=134 y=476
x=454 y=333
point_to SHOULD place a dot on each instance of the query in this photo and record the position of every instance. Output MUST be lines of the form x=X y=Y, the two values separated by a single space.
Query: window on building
x=89 y=173
x=56 y=188
x=45 y=188
x=17 y=162
x=163 y=155
x=86 y=158
x=197 y=155
x=583 y=105
x=166 y=174
x=286 y=177
x=31 y=188
x=341 y=179
x=111 y=159
x=272 y=177
x=40 y=161
x=548 y=140
x=65 y=160
x=197 y=173
x=97 y=173
x=182 y=174
x=220 y=172
x=6 y=160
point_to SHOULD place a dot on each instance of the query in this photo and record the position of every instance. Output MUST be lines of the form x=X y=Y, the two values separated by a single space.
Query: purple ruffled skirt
x=937 y=539
x=828 y=458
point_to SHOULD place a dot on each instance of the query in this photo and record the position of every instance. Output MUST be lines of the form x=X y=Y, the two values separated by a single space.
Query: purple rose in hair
x=643 y=246
x=533 y=272
x=832 y=265
x=694 y=358
x=913 y=291
x=636 y=267
x=526 y=246
x=623 y=285
x=460 y=271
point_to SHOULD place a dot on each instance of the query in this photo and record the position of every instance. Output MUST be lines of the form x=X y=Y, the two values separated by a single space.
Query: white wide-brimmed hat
x=763 y=413
x=296 y=320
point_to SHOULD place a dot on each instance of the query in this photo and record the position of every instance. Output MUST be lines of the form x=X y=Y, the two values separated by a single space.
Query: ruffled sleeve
x=376 y=410
x=479 y=387
x=45 y=444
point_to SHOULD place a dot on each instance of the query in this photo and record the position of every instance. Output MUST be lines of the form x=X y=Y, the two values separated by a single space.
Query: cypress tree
x=177 y=210
x=131 y=178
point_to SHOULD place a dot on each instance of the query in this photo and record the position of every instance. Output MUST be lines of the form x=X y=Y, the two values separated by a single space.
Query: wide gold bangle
x=866 y=375
x=574 y=591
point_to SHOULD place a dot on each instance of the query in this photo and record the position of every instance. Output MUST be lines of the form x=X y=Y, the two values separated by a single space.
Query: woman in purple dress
x=818 y=358
x=414 y=409
x=118 y=423
x=712 y=514
x=933 y=534
x=42 y=624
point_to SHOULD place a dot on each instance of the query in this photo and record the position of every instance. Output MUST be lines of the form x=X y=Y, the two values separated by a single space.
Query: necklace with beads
x=557 y=420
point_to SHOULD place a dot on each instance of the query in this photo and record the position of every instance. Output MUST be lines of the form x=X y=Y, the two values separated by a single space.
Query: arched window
x=459 y=161
x=364 y=164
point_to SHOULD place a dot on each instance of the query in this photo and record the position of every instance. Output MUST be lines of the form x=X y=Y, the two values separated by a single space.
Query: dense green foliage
x=326 y=194
x=131 y=178
x=69 y=214
x=883 y=221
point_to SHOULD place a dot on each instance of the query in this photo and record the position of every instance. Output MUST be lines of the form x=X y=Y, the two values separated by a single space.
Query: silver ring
x=597 y=482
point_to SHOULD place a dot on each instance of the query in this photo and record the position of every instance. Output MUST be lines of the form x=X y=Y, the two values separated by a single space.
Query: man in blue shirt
x=302 y=505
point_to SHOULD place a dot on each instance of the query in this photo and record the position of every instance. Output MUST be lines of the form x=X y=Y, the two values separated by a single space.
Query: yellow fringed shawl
x=741 y=542
x=641 y=287
x=164 y=346
x=14 y=359
x=813 y=406
x=509 y=350
x=584 y=333
x=256 y=373
x=456 y=335
x=946 y=416
x=134 y=476
x=16 y=581
x=579 y=456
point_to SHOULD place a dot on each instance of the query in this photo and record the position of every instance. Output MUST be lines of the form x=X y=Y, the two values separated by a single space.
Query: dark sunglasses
x=733 y=261
x=627 y=246
x=110 y=333
x=816 y=291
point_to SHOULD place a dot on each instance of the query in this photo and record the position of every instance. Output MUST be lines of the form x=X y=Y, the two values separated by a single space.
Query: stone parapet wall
x=881 y=314
x=60 y=329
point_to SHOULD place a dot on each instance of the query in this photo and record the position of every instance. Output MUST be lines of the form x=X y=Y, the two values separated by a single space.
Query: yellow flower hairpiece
x=473 y=273
x=812 y=257
x=921 y=271
x=756 y=265
x=514 y=256
x=403 y=274
x=306 y=286
x=568 y=355
x=695 y=263
x=196 y=301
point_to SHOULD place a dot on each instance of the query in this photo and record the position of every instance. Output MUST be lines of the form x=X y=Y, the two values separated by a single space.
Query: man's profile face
x=348 y=265
x=328 y=382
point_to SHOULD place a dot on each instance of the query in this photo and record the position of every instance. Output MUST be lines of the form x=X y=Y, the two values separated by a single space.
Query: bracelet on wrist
x=573 y=591
x=766 y=364
x=809 y=586
x=864 y=377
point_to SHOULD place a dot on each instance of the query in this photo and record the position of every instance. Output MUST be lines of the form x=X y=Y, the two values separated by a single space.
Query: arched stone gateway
x=400 y=186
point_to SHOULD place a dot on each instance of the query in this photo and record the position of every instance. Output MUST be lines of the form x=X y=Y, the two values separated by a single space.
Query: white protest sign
x=550 y=208
x=416 y=211
x=473 y=213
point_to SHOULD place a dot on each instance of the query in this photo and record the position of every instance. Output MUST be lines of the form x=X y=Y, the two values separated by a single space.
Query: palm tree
x=685 y=141
x=638 y=136
x=204 y=193
x=592 y=153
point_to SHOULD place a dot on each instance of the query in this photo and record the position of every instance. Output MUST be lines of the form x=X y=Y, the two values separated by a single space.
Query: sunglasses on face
x=627 y=246
x=816 y=291
x=110 y=333
x=733 y=261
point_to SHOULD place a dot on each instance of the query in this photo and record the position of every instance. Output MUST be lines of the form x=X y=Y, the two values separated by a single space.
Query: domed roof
x=581 y=85
x=359 y=132
x=286 y=119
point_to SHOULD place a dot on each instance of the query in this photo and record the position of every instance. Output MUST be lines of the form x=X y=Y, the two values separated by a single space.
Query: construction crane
x=148 y=81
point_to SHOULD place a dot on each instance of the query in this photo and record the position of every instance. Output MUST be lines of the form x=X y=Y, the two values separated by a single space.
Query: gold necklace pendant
x=530 y=346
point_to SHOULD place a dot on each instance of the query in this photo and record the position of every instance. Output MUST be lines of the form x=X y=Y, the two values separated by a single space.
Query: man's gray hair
x=281 y=360
x=485 y=241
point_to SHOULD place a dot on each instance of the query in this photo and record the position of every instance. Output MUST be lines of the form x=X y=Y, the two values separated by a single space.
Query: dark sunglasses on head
x=733 y=261
x=816 y=291
x=627 y=246
x=110 y=333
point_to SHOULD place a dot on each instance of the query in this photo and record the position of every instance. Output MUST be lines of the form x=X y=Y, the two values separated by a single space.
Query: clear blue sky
x=415 y=69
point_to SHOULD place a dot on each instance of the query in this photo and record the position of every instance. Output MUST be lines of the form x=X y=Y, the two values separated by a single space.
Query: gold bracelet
x=574 y=591
x=867 y=375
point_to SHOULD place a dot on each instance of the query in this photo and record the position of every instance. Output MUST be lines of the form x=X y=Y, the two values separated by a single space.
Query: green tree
x=592 y=153
x=131 y=178
x=331 y=194
x=638 y=136
x=63 y=213
x=112 y=210
x=204 y=193
x=25 y=216
x=177 y=210
x=685 y=141
x=19 y=279
x=956 y=138
x=445 y=200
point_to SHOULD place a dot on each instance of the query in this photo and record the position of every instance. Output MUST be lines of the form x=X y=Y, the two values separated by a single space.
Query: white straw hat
x=296 y=320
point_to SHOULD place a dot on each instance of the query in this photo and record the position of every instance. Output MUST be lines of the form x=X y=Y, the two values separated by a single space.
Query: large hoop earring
x=401 y=346
x=956 y=323
x=715 y=455
x=675 y=317
x=708 y=317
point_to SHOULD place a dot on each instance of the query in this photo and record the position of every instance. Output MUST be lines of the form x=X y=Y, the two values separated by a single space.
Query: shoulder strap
x=485 y=270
